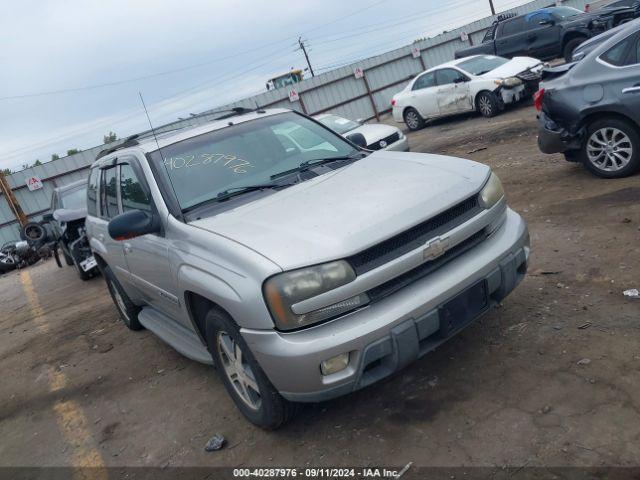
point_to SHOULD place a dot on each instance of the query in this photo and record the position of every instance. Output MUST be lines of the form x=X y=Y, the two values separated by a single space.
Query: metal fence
x=337 y=91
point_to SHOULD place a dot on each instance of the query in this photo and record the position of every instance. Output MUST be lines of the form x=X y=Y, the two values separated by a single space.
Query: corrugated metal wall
x=337 y=91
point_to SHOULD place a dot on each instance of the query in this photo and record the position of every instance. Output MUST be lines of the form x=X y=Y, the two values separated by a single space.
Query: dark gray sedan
x=590 y=111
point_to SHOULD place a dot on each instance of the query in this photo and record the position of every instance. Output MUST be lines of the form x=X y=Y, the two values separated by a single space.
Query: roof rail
x=506 y=16
x=129 y=142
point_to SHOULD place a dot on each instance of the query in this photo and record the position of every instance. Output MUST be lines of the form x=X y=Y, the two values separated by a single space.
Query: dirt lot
x=551 y=378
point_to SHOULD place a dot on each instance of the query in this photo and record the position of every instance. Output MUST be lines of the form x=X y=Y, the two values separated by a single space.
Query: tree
x=55 y=156
x=36 y=163
x=6 y=171
x=73 y=151
x=110 y=137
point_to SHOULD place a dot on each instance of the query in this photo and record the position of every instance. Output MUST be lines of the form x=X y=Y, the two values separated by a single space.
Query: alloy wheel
x=238 y=371
x=412 y=120
x=485 y=106
x=609 y=149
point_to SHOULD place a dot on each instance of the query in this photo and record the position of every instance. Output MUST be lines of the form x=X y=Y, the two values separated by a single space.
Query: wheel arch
x=480 y=92
x=572 y=35
x=600 y=114
x=197 y=307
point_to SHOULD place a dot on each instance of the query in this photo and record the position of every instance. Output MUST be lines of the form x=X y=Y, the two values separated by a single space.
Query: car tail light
x=393 y=102
x=537 y=99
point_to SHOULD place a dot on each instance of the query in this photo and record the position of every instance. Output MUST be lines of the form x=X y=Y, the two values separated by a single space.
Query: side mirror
x=132 y=224
x=358 y=139
x=47 y=217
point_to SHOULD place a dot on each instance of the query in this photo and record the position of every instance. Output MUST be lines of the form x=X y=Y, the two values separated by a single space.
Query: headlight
x=509 y=82
x=492 y=192
x=284 y=290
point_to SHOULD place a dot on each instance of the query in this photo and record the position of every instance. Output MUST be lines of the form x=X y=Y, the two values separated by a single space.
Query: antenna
x=150 y=124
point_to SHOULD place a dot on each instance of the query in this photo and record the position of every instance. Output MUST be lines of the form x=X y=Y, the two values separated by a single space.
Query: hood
x=69 y=214
x=374 y=132
x=513 y=67
x=341 y=213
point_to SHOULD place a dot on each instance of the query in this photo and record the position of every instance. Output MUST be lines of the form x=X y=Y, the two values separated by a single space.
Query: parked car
x=547 y=33
x=591 y=110
x=377 y=136
x=482 y=83
x=585 y=48
x=69 y=207
x=302 y=275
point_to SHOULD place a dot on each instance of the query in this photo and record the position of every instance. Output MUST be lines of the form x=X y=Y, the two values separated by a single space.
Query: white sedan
x=482 y=83
x=378 y=136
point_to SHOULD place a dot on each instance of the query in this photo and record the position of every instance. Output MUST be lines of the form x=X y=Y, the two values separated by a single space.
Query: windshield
x=338 y=124
x=482 y=65
x=565 y=12
x=249 y=153
x=73 y=199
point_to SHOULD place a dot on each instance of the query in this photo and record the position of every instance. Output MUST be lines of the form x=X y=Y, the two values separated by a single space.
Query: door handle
x=634 y=89
x=127 y=248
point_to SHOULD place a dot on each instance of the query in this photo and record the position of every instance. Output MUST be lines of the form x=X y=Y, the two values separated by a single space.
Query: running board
x=180 y=338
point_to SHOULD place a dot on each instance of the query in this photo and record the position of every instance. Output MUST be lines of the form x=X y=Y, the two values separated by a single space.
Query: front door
x=423 y=95
x=147 y=256
x=453 y=92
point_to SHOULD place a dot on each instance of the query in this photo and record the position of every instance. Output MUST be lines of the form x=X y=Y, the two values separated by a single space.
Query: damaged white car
x=483 y=83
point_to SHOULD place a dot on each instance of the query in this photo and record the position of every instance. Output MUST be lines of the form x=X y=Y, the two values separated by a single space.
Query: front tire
x=246 y=383
x=488 y=104
x=611 y=148
x=127 y=310
x=413 y=119
x=571 y=45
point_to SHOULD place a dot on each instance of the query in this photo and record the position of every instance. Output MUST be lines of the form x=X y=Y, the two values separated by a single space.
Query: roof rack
x=129 y=142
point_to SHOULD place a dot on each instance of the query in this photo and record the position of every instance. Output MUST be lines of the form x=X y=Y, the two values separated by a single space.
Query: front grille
x=392 y=286
x=529 y=76
x=394 y=247
x=385 y=142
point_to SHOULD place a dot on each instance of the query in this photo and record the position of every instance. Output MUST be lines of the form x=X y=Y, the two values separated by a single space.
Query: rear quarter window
x=92 y=192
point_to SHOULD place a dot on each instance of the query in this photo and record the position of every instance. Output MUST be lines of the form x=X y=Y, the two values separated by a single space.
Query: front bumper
x=393 y=332
x=401 y=145
x=552 y=138
x=513 y=95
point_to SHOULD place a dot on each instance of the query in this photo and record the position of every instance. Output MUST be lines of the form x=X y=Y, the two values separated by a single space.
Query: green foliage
x=73 y=151
x=55 y=156
x=109 y=138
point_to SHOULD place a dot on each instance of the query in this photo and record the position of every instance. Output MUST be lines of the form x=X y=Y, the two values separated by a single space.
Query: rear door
x=107 y=207
x=423 y=95
x=511 y=37
x=453 y=92
x=146 y=256
x=623 y=74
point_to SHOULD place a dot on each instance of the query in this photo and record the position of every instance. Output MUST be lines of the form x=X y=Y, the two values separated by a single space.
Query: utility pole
x=15 y=207
x=493 y=10
x=304 y=50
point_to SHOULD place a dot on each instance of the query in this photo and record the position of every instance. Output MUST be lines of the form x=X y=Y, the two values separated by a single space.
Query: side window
x=426 y=80
x=109 y=193
x=623 y=53
x=514 y=26
x=132 y=193
x=449 y=75
x=537 y=18
x=92 y=192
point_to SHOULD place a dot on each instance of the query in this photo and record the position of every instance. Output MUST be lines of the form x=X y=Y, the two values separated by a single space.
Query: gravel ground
x=550 y=379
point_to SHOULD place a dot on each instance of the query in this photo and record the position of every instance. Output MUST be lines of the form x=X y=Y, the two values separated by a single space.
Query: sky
x=72 y=69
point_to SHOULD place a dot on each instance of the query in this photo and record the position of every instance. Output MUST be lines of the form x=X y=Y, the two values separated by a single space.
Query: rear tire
x=570 y=46
x=611 y=148
x=413 y=119
x=488 y=104
x=127 y=310
x=246 y=383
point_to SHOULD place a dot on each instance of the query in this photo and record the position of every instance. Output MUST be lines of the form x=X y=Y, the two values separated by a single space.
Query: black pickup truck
x=546 y=33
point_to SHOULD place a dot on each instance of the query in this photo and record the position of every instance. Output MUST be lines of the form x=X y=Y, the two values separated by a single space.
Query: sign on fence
x=293 y=95
x=464 y=36
x=358 y=72
x=415 y=51
x=34 y=183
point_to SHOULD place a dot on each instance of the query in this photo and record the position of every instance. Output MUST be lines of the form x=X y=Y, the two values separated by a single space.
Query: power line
x=306 y=55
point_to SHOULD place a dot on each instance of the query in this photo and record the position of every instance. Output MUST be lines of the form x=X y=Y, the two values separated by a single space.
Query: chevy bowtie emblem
x=435 y=248
x=383 y=144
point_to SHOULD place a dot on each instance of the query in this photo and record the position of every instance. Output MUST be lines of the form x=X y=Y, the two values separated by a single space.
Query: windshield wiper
x=233 y=192
x=309 y=164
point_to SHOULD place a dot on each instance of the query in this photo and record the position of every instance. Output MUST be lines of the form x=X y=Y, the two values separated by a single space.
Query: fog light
x=334 y=364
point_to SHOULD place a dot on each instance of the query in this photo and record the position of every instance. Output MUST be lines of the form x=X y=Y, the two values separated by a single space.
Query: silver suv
x=301 y=265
